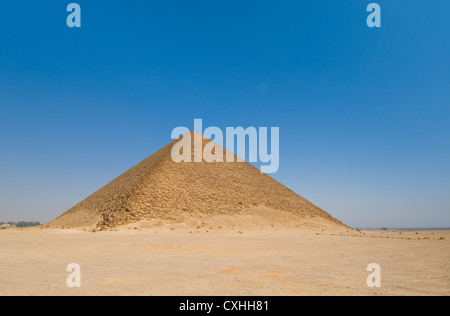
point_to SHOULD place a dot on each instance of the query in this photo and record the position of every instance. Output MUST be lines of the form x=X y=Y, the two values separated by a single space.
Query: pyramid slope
x=160 y=189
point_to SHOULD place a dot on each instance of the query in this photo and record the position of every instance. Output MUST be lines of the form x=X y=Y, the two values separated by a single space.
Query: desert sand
x=167 y=228
x=176 y=261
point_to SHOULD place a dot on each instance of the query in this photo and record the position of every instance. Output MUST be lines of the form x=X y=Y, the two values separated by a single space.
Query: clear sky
x=364 y=114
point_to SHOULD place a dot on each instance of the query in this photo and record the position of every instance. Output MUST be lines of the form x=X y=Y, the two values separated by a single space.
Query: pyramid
x=161 y=190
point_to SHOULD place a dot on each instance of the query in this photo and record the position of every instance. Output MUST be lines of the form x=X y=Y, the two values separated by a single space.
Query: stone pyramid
x=159 y=189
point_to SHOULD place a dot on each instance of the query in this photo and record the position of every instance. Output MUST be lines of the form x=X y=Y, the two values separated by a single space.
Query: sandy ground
x=264 y=262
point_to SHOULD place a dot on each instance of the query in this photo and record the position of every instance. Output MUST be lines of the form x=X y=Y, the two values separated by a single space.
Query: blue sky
x=363 y=113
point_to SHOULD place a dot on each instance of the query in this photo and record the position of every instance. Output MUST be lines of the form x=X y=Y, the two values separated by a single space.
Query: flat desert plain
x=251 y=262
